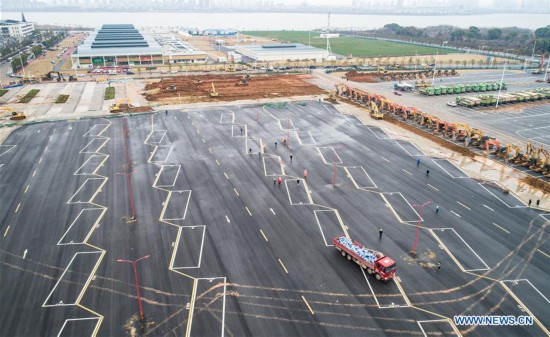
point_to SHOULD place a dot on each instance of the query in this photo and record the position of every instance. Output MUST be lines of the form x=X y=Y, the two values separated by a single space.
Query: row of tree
x=511 y=39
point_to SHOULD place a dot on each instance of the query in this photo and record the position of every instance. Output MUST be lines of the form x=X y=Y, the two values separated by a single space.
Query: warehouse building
x=281 y=52
x=124 y=45
x=117 y=45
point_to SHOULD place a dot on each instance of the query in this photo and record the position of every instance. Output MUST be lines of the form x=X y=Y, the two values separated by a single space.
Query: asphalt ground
x=234 y=254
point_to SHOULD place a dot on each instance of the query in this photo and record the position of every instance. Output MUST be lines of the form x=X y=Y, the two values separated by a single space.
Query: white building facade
x=16 y=29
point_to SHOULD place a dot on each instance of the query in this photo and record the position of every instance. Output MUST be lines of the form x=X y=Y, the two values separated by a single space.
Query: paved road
x=232 y=253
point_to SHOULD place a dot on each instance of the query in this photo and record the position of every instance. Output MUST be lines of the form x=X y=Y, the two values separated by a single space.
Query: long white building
x=281 y=52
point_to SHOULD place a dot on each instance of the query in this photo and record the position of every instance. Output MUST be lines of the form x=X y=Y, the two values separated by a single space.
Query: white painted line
x=350 y=175
x=319 y=224
x=386 y=159
x=26 y=189
x=485 y=188
x=407 y=172
x=217 y=162
x=488 y=207
x=249 y=213
x=458 y=215
x=17 y=208
x=272 y=211
x=40 y=160
x=335 y=155
x=501 y=228
x=438 y=320
x=307 y=304
x=8 y=228
x=265 y=237
x=458 y=168
x=410 y=154
x=237 y=193
x=10 y=147
x=461 y=204
x=168 y=201
x=540 y=251
x=59 y=243
x=34 y=173
x=226 y=177
x=25 y=253
x=433 y=187
x=44 y=305
x=227 y=219
x=282 y=265
x=79 y=319
x=200 y=250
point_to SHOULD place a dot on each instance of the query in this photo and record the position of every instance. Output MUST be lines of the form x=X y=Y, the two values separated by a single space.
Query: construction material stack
x=374 y=262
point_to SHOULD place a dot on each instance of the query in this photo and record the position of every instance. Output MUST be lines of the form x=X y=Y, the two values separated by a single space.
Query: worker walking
x=291 y=158
x=241 y=131
x=275 y=144
x=418 y=162
x=438 y=265
x=305 y=174
x=274 y=181
x=538 y=202
x=380 y=232
x=279 y=180
x=259 y=154
x=166 y=112
x=530 y=202
x=436 y=209
x=427 y=172
x=250 y=150
x=298 y=182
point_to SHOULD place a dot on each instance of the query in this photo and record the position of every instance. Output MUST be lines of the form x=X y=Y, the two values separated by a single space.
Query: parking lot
x=233 y=252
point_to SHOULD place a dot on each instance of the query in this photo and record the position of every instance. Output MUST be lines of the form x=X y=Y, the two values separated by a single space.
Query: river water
x=277 y=21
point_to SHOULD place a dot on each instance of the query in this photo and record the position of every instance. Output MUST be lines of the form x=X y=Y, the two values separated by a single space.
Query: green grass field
x=351 y=45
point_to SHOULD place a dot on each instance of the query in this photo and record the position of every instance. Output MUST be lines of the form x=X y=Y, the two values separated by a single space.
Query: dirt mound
x=537 y=183
x=190 y=89
x=363 y=77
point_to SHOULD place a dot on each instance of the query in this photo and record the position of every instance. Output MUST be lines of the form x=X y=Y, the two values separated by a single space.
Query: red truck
x=374 y=262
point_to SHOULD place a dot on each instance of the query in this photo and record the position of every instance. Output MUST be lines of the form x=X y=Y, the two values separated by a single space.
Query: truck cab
x=385 y=269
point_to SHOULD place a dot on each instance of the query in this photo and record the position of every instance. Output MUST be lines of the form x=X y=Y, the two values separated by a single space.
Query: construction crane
x=214 y=93
x=375 y=113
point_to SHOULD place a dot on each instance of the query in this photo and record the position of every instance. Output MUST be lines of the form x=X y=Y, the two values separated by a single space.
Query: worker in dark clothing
x=274 y=181
x=427 y=172
x=438 y=265
x=436 y=209
x=538 y=202
x=291 y=158
x=380 y=232
x=166 y=112
x=250 y=150
x=259 y=155
x=275 y=144
x=241 y=131
x=418 y=162
x=298 y=182
x=530 y=202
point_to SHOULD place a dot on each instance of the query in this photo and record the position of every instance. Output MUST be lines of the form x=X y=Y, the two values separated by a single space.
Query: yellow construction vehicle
x=15 y=116
x=332 y=97
x=526 y=156
x=243 y=81
x=503 y=152
x=540 y=161
x=121 y=105
x=375 y=113
x=214 y=93
x=517 y=154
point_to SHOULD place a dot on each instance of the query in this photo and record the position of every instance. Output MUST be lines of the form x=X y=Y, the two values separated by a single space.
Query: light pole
x=414 y=251
x=141 y=316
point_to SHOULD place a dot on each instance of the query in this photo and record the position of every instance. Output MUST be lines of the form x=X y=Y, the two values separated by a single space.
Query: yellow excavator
x=375 y=113
x=538 y=163
x=14 y=114
x=122 y=105
x=214 y=93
